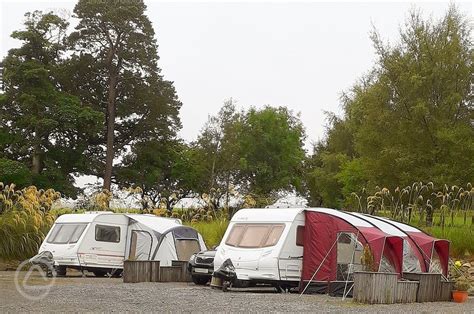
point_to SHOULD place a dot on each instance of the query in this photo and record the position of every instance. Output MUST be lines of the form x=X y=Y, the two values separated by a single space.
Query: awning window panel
x=185 y=233
x=411 y=263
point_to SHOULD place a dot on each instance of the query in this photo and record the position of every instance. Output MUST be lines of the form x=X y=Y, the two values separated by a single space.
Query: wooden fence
x=141 y=271
x=406 y=291
x=372 y=288
x=185 y=274
x=432 y=287
x=151 y=271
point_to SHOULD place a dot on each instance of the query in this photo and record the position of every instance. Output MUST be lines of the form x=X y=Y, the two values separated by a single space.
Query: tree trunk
x=110 y=153
x=36 y=163
x=227 y=185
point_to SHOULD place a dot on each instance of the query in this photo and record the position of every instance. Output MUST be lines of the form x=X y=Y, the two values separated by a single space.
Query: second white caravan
x=99 y=242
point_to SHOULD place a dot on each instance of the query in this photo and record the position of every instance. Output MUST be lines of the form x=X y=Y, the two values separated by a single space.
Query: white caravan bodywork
x=276 y=259
x=103 y=240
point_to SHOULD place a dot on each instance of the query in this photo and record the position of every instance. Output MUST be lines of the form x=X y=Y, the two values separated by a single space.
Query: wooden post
x=155 y=271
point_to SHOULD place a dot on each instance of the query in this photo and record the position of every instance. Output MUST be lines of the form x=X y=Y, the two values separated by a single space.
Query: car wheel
x=200 y=280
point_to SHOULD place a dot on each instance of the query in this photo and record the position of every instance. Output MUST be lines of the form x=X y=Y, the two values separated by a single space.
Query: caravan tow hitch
x=46 y=261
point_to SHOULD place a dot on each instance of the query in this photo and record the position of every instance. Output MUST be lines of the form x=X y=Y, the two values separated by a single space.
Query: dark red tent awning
x=321 y=231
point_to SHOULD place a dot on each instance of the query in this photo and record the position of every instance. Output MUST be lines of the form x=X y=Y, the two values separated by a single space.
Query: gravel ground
x=112 y=295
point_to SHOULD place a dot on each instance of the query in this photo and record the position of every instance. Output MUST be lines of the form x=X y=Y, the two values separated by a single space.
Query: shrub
x=462 y=284
x=25 y=220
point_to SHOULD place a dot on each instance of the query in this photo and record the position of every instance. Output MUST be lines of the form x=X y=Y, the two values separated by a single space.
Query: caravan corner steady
x=290 y=247
x=100 y=241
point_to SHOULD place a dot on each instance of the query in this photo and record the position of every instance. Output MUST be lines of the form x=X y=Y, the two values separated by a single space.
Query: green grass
x=211 y=231
x=462 y=239
x=457 y=229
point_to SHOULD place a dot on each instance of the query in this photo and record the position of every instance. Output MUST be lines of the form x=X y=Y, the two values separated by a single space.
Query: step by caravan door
x=140 y=245
x=290 y=261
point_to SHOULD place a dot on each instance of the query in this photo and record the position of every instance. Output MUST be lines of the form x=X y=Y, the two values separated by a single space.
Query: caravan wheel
x=117 y=273
x=99 y=273
x=60 y=271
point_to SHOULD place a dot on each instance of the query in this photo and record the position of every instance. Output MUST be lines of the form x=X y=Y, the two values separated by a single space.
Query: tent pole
x=352 y=265
x=431 y=262
x=431 y=257
x=348 y=291
x=321 y=264
x=381 y=256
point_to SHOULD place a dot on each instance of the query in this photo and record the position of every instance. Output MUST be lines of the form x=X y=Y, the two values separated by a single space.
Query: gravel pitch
x=78 y=294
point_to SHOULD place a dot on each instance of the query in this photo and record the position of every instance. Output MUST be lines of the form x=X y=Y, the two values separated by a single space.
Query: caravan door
x=103 y=244
x=140 y=245
x=290 y=261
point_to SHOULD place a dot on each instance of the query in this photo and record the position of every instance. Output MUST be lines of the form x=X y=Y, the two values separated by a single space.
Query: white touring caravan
x=100 y=241
x=264 y=245
x=290 y=247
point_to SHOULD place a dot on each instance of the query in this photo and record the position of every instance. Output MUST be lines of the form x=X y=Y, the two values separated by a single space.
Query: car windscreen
x=66 y=233
x=254 y=235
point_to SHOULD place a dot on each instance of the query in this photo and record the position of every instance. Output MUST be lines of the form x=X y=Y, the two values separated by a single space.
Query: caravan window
x=274 y=235
x=254 y=235
x=107 y=233
x=235 y=235
x=299 y=235
x=66 y=233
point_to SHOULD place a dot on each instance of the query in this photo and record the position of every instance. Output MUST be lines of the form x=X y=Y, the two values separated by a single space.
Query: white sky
x=300 y=55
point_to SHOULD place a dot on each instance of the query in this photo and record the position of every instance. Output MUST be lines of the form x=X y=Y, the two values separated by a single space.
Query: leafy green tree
x=410 y=119
x=162 y=171
x=416 y=120
x=255 y=152
x=217 y=153
x=115 y=70
x=324 y=174
x=44 y=127
x=271 y=152
x=12 y=171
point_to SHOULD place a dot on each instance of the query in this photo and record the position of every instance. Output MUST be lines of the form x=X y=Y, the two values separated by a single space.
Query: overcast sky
x=299 y=55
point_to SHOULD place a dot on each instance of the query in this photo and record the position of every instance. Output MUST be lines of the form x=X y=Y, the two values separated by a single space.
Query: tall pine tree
x=115 y=69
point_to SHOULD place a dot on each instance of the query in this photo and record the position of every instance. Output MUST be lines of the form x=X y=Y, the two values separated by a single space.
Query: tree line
x=93 y=101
